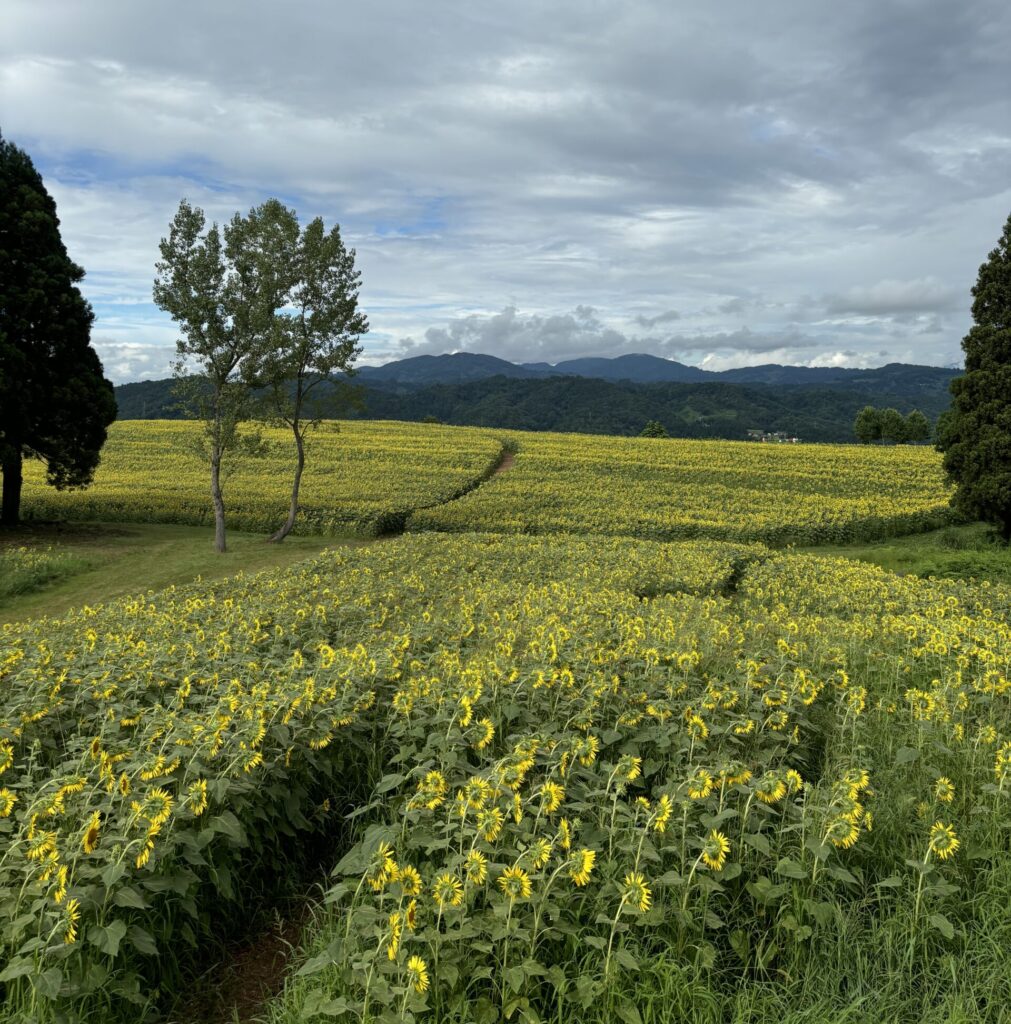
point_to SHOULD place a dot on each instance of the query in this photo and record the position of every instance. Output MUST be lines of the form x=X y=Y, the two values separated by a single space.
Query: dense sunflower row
x=691 y=744
x=360 y=478
x=677 y=489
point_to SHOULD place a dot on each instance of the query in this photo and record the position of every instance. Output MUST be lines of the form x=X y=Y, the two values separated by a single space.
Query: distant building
x=772 y=437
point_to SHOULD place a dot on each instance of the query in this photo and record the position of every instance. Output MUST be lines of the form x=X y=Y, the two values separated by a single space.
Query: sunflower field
x=372 y=478
x=361 y=479
x=587 y=778
x=670 y=489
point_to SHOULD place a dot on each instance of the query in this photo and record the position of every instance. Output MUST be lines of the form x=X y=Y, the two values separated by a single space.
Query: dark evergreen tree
x=975 y=435
x=55 y=403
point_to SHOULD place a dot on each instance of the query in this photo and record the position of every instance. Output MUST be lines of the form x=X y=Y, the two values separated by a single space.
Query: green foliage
x=224 y=293
x=867 y=425
x=890 y=425
x=55 y=403
x=654 y=428
x=308 y=347
x=976 y=436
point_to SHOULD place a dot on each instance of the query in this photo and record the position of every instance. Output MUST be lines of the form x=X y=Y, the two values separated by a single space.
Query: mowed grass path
x=137 y=557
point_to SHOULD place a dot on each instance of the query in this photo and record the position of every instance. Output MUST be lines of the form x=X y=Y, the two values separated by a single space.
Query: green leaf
x=943 y=925
x=389 y=782
x=626 y=959
x=142 y=940
x=48 y=984
x=108 y=937
x=906 y=755
x=515 y=978
x=790 y=869
x=628 y=1012
x=127 y=897
x=757 y=841
x=17 y=968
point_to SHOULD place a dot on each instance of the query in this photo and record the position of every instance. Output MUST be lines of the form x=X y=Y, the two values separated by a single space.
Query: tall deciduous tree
x=224 y=293
x=55 y=403
x=314 y=339
x=975 y=435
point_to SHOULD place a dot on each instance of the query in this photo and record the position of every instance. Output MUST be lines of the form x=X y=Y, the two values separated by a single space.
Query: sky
x=798 y=181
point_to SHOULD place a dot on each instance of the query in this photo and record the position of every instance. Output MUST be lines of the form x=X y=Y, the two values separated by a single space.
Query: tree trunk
x=11 y=510
x=219 y=503
x=299 y=466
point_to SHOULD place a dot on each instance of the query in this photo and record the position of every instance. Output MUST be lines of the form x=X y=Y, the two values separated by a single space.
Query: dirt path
x=507 y=460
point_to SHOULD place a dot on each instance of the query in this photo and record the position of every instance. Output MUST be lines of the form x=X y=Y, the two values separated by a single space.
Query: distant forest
x=823 y=413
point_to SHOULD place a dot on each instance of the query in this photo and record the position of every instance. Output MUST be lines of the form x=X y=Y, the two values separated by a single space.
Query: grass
x=953 y=552
x=123 y=559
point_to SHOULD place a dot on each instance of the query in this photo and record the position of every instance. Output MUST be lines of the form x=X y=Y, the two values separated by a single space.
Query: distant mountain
x=444 y=369
x=640 y=369
x=708 y=408
x=459 y=367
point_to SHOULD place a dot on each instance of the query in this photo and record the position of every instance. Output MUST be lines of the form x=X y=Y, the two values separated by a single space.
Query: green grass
x=124 y=559
x=953 y=552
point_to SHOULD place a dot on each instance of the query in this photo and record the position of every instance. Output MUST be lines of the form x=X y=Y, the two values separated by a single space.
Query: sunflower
x=487 y=733
x=489 y=823
x=629 y=767
x=515 y=883
x=794 y=782
x=197 y=797
x=700 y=785
x=7 y=802
x=477 y=792
x=396 y=930
x=771 y=788
x=410 y=880
x=582 y=865
x=411 y=915
x=552 y=796
x=564 y=834
x=697 y=728
x=382 y=867
x=943 y=840
x=664 y=808
x=842 y=833
x=417 y=972
x=636 y=891
x=944 y=790
x=475 y=867
x=715 y=850
x=72 y=914
x=540 y=853
x=90 y=840
x=447 y=888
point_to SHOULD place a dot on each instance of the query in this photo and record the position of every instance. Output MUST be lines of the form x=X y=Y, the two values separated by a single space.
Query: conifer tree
x=975 y=435
x=55 y=403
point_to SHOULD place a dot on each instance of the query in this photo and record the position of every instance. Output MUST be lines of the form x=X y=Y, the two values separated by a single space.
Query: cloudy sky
x=800 y=181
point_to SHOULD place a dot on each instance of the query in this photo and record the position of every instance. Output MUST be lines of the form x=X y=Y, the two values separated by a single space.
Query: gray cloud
x=660 y=318
x=887 y=298
x=644 y=158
